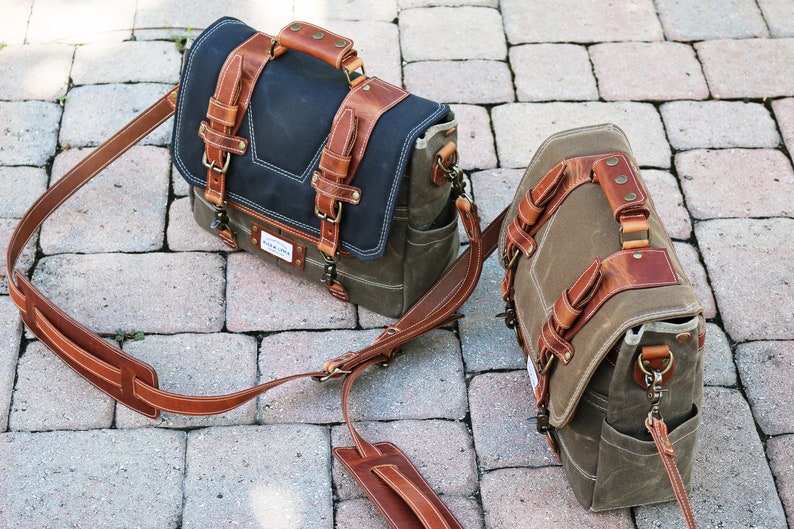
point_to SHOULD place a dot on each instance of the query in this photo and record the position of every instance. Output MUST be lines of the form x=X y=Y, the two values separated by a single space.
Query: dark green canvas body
x=596 y=410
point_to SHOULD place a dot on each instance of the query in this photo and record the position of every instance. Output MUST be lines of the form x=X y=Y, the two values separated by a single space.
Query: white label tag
x=533 y=375
x=276 y=246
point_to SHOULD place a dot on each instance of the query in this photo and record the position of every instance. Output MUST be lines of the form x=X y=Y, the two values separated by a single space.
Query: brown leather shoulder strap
x=134 y=383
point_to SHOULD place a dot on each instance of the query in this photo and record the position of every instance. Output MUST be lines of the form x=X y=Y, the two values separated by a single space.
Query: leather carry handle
x=322 y=44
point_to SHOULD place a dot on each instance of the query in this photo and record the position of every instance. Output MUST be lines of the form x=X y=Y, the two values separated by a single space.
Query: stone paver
x=711 y=19
x=96 y=478
x=113 y=212
x=254 y=476
x=719 y=125
x=111 y=107
x=532 y=497
x=520 y=128
x=784 y=113
x=89 y=21
x=10 y=334
x=781 y=452
x=705 y=93
x=546 y=72
x=765 y=368
x=125 y=62
x=487 y=81
x=736 y=183
x=593 y=22
x=654 y=71
x=779 y=17
x=475 y=139
x=196 y=364
x=750 y=271
x=280 y=300
x=748 y=68
x=20 y=186
x=39 y=404
x=502 y=409
x=469 y=33
x=151 y=292
x=38 y=71
x=29 y=132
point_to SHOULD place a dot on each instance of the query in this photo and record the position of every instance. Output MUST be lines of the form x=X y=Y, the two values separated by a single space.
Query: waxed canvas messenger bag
x=295 y=155
x=610 y=326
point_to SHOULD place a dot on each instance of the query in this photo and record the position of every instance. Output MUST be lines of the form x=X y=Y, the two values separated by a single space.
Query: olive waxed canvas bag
x=610 y=326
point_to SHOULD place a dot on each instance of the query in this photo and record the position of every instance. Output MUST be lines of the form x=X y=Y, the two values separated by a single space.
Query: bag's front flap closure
x=287 y=125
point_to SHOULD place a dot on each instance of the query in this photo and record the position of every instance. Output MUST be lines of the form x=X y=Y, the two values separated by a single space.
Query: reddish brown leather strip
x=658 y=430
x=318 y=42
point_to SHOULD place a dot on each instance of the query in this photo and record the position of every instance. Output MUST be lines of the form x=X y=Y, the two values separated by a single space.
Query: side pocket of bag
x=622 y=458
x=428 y=253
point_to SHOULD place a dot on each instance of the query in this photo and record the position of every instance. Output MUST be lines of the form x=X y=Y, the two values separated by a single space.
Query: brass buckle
x=213 y=167
x=337 y=372
x=323 y=216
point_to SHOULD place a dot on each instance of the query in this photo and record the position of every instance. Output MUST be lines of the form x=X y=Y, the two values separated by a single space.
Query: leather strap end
x=396 y=488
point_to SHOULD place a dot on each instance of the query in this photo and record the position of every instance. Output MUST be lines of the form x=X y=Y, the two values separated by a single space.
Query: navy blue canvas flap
x=287 y=124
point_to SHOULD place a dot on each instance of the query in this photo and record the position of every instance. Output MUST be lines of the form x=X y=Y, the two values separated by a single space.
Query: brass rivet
x=340 y=44
x=621 y=179
x=665 y=362
x=295 y=27
x=254 y=242
x=567 y=356
x=173 y=95
x=391 y=331
x=637 y=255
x=646 y=363
x=612 y=162
x=356 y=195
x=630 y=196
x=317 y=36
x=300 y=250
x=683 y=337
x=202 y=129
x=366 y=87
x=241 y=145
x=315 y=177
x=299 y=262
x=254 y=228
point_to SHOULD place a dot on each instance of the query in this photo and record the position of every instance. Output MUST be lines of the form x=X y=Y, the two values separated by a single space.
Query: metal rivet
x=317 y=36
x=665 y=362
x=621 y=179
x=630 y=196
x=340 y=44
x=300 y=250
x=202 y=129
x=612 y=162
x=254 y=228
x=298 y=262
x=366 y=87
x=356 y=195
x=173 y=95
x=295 y=27
x=637 y=255
x=646 y=363
x=315 y=177
x=254 y=242
x=391 y=331
x=683 y=337
x=567 y=356
x=241 y=145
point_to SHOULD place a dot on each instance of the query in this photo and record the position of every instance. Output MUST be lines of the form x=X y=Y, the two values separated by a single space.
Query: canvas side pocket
x=630 y=471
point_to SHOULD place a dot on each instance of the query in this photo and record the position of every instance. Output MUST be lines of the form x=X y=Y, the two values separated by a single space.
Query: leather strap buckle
x=327 y=218
x=211 y=165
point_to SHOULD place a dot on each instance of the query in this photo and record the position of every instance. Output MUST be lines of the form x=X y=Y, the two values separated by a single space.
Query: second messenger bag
x=296 y=157
x=609 y=324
